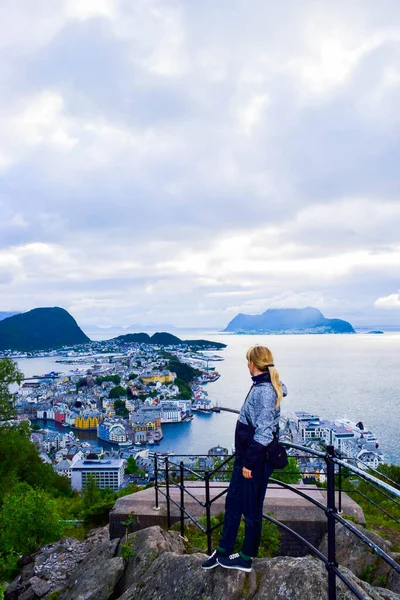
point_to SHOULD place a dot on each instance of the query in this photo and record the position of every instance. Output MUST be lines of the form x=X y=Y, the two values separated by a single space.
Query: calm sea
x=352 y=376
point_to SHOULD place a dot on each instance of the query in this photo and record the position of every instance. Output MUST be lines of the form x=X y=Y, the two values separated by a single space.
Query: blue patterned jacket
x=258 y=421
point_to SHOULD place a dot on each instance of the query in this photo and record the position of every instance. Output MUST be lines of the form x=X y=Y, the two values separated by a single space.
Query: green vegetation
x=127 y=551
x=29 y=489
x=116 y=379
x=197 y=540
x=374 y=517
x=184 y=372
x=29 y=518
x=132 y=468
x=120 y=409
x=185 y=390
x=35 y=502
x=117 y=392
x=82 y=382
x=9 y=374
x=290 y=474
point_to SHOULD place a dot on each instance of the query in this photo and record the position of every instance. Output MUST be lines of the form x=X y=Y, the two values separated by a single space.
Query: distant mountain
x=5 y=315
x=137 y=327
x=288 y=320
x=40 y=329
x=165 y=339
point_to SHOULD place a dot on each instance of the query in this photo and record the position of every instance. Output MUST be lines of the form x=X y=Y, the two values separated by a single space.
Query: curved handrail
x=368 y=477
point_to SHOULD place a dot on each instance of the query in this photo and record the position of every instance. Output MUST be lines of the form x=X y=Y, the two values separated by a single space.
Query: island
x=165 y=339
x=40 y=329
x=47 y=329
x=288 y=320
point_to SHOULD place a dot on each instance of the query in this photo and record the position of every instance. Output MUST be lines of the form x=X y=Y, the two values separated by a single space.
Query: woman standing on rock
x=256 y=427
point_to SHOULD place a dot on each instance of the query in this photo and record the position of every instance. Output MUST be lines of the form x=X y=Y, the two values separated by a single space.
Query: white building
x=170 y=412
x=107 y=473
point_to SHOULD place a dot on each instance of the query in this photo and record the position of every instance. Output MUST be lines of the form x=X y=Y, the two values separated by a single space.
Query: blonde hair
x=262 y=358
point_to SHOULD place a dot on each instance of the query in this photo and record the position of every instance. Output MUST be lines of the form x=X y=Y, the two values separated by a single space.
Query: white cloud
x=391 y=302
x=162 y=160
x=89 y=9
x=41 y=121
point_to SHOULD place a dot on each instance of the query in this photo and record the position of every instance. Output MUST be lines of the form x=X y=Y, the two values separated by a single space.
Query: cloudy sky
x=180 y=161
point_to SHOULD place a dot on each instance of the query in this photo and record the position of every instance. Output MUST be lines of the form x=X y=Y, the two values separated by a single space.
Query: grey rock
x=354 y=554
x=14 y=589
x=27 y=572
x=172 y=576
x=48 y=566
x=148 y=544
x=39 y=586
x=393 y=582
x=234 y=585
x=286 y=578
x=373 y=593
x=96 y=577
x=28 y=594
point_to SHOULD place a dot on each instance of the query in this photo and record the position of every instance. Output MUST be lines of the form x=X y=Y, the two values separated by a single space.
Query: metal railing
x=169 y=474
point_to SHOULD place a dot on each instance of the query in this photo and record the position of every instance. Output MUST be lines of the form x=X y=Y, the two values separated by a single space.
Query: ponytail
x=263 y=360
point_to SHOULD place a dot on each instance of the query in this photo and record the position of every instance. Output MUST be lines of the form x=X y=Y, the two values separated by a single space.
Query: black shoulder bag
x=276 y=453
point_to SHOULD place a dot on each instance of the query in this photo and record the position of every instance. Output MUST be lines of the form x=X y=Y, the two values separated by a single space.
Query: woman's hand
x=246 y=473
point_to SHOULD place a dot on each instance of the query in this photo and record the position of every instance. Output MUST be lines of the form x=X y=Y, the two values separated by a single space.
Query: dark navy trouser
x=245 y=497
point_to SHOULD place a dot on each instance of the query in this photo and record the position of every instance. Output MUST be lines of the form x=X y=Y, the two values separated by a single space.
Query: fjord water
x=352 y=376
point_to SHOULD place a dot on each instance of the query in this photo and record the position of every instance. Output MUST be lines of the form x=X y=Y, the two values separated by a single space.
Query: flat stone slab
x=285 y=505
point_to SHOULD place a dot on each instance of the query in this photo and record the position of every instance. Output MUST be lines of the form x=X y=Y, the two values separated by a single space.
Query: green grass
x=197 y=540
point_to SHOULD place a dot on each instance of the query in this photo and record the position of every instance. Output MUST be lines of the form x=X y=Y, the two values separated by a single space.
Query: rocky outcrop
x=355 y=555
x=53 y=565
x=152 y=565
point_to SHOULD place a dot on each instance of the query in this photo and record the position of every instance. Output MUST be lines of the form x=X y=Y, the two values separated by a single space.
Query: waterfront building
x=59 y=415
x=87 y=421
x=107 y=473
x=339 y=435
x=313 y=429
x=71 y=418
x=170 y=412
x=112 y=430
x=303 y=416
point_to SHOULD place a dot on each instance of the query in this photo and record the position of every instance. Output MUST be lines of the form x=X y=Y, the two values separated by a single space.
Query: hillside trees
x=28 y=488
x=9 y=375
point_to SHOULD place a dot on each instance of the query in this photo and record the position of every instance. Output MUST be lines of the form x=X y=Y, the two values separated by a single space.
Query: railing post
x=340 y=489
x=208 y=510
x=330 y=512
x=156 y=480
x=181 y=468
x=167 y=492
